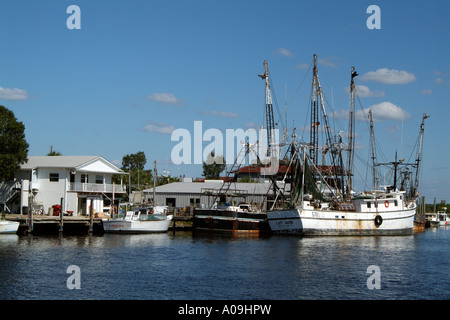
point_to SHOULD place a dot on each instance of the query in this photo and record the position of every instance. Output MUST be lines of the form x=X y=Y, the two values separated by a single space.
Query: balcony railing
x=97 y=187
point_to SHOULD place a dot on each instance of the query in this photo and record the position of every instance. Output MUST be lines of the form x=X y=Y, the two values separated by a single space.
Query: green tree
x=134 y=164
x=53 y=153
x=13 y=146
x=213 y=166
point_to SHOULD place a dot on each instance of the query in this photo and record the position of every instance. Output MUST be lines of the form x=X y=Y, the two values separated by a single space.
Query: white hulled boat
x=7 y=226
x=322 y=187
x=140 y=220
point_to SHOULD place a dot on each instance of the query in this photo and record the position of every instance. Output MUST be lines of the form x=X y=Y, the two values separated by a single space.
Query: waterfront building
x=78 y=182
x=202 y=193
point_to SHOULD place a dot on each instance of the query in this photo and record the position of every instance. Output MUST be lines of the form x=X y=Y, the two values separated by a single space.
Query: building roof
x=78 y=163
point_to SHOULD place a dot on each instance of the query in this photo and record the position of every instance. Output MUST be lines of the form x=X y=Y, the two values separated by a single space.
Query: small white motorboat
x=140 y=220
x=7 y=226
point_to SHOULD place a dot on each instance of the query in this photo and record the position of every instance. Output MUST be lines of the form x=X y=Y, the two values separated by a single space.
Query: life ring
x=378 y=221
x=386 y=204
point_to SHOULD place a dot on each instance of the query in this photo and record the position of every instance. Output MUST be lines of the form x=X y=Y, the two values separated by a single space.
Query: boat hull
x=8 y=226
x=136 y=226
x=206 y=220
x=285 y=222
x=357 y=223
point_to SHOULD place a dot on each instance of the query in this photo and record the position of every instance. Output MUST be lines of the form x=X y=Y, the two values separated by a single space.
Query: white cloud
x=253 y=125
x=383 y=111
x=13 y=94
x=439 y=80
x=220 y=113
x=283 y=52
x=163 y=128
x=165 y=98
x=364 y=91
x=389 y=76
x=327 y=62
x=380 y=112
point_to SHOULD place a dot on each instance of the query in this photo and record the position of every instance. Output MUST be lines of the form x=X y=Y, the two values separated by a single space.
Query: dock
x=79 y=224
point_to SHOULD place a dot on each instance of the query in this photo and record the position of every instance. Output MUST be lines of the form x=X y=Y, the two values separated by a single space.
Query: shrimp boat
x=322 y=194
x=140 y=220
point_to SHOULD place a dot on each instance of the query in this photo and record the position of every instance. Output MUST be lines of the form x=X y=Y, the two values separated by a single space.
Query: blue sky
x=137 y=70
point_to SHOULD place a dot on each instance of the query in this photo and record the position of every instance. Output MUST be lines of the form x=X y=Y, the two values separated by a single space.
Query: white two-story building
x=78 y=182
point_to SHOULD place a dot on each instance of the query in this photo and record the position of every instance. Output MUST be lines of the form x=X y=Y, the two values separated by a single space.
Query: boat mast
x=316 y=97
x=270 y=126
x=372 y=143
x=351 y=132
x=419 y=153
x=314 y=128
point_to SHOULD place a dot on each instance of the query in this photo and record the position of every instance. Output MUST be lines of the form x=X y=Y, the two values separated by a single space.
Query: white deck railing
x=96 y=187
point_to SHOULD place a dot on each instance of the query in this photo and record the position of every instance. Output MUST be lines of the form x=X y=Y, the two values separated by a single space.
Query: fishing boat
x=322 y=183
x=236 y=219
x=443 y=218
x=243 y=218
x=7 y=226
x=140 y=220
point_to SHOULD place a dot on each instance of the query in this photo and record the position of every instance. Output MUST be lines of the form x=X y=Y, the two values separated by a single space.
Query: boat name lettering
x=316 y=214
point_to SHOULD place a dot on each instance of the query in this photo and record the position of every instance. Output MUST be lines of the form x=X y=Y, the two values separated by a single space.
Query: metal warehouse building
x=202 y=194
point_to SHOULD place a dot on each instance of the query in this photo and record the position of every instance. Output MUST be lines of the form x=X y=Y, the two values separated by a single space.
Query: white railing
x=96 y=187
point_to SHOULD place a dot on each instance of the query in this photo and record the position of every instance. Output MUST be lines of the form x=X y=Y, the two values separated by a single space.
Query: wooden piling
x=30 y=221
x=91 y=217
x=61 y=217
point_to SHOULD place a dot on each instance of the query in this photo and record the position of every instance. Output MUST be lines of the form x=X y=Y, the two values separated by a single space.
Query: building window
x=170 y=202
x=72 y=177
x=54 y=177
x=194 y=202
x=84 y=178
x=98 y=179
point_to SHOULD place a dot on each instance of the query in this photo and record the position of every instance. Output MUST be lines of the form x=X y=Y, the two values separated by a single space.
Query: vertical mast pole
x=419 y=153
x=351 y=133
x=270 y=126
x=372 y=143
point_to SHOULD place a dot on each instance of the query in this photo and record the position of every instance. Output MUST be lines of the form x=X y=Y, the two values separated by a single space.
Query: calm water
x=180 y=266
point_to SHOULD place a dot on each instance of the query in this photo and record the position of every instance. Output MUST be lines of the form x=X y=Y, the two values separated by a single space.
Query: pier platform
x=79 y=224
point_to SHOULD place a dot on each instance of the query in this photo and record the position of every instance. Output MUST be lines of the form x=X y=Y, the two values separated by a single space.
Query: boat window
x=395 y=203
x=369 y=204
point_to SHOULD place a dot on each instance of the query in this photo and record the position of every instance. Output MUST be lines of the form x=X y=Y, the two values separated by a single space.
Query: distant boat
x=150 y=219
x=444 y=219
x=8 y=226
x=436 y=219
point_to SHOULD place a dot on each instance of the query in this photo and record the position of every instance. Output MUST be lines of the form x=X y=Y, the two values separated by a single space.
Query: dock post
x=61 y=217
x=91 y=216
x=30 y=221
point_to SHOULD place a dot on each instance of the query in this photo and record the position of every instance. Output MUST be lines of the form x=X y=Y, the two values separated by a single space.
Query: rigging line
x=301 y=83
x=280 y=116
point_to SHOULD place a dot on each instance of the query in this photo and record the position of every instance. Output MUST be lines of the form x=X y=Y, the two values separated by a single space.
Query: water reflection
x=182 y=266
